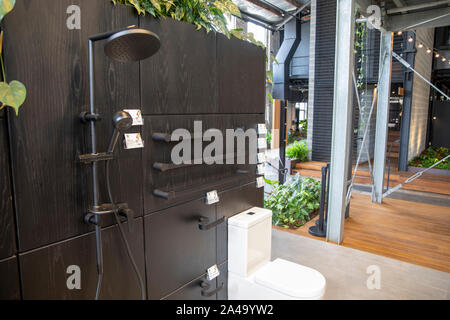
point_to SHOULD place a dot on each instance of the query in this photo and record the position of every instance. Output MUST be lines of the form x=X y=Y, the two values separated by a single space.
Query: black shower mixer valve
x=121 y=209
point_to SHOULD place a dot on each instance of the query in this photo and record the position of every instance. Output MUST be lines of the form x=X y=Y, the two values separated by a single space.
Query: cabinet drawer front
x=45 y=271
x=182 y=184
x=9 y=279
x=177 y=250
x=232 y=202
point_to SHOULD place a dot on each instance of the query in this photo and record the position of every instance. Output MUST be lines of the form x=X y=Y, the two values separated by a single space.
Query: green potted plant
x=295 y=202
x=296 y=152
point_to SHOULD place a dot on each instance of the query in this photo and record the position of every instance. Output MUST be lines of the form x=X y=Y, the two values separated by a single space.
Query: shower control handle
x=205 y=225
x=128 y=213
x=205 y=286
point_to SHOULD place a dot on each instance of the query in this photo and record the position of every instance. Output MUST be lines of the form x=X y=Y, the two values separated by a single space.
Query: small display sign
x=133 y=141
x=261 y=157
x=213 y=272
x=262 y=143
x=262 y=128
x=212 y=197
x=136 y=114
x=260 y=182
x=260 y=168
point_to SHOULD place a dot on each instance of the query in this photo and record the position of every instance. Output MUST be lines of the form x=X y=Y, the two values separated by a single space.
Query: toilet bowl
x=251 y=274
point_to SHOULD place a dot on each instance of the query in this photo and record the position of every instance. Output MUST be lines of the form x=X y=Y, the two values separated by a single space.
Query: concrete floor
x=346 y=270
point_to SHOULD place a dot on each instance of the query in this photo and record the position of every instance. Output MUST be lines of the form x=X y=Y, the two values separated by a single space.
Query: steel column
x=381 y=134
x=342 y=122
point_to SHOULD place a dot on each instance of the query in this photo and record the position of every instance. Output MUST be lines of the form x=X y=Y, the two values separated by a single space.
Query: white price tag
x=260 y=168
x=262 y=128
x=212 y=197
x=261 y=157
x=262 y=143
x=136 y=114
x=213 y=272
x=260 y=182
x=133 y=141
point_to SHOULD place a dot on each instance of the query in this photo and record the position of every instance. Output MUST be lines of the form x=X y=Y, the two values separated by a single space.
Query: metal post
x=381 y=134
x=342 y=122
x=282 y=166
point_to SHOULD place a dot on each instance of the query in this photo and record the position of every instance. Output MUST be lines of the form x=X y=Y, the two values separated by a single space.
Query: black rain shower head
x=122 y=121
x=132 y=45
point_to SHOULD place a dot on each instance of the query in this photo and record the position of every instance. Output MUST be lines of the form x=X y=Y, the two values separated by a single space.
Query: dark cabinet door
x=7 y=233
x=241 y=76
x=45 y=271
x=222 y=280
x=186 y=183
x=181 y=77
x=9 y=279
x=176 y=249
x=53 y=190
x=198 y=289
x=232 y=202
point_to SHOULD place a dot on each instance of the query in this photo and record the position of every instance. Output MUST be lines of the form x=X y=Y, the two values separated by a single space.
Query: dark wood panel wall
x=194 y=76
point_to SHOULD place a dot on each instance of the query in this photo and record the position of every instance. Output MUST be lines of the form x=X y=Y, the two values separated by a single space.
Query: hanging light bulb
x=399 y=33
x=443 y=59
x=428 y=50
x=420 y=45
x=410 y=39
x=437 y=55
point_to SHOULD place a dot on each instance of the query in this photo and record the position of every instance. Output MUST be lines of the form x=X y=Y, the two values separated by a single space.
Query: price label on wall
x=262 y=143
x=212 y=197
x=260 y=182
x=133 y=141
x=136 y=114
x=260 y=168
x=262 y=128
x=261 y=157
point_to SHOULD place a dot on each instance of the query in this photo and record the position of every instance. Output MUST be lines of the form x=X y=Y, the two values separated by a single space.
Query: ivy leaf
x=13 y=94
x=5 y=7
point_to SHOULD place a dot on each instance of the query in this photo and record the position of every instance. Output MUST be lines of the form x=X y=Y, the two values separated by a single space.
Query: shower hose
x=124 y=238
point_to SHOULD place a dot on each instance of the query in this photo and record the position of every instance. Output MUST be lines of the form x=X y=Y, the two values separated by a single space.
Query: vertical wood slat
x=52 y=190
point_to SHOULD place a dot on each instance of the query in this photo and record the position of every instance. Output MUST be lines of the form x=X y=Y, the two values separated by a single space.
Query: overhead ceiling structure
x=410 y=14
x=272 y=14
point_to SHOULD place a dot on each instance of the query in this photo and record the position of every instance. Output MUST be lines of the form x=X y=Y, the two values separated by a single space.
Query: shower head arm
x=106 y=35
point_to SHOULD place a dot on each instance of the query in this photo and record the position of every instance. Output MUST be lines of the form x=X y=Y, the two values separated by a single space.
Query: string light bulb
x=428 y=50
x=443 y=59
x=420 y=45
x=410 y=39
x=437 y=55
x=399 y=33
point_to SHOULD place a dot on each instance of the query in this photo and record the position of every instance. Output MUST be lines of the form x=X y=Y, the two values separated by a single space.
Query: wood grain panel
x=177 y=251
x=53 y=190
x=191 y=182
x=241 y=76
x=44 y=270
x=9 y=279
x=7 y=233
x=181 y=77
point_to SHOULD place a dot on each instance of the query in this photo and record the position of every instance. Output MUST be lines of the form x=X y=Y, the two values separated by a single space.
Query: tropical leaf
x=13 y=94
x=5 y=7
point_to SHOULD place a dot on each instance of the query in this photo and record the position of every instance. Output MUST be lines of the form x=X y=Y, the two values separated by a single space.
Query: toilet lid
x=291 y=279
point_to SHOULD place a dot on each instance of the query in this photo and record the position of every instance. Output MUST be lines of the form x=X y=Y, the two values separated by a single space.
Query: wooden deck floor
x=408 y=231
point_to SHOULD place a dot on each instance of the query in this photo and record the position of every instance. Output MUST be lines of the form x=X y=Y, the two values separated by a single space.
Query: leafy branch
x=14 y=93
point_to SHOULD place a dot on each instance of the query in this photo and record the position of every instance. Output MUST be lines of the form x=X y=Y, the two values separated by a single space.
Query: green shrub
x=298 y=150
x=269 y=138
x=293 y=202
x=430 y=156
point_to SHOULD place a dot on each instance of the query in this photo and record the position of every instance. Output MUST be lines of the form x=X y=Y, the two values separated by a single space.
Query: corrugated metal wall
x=323 y=79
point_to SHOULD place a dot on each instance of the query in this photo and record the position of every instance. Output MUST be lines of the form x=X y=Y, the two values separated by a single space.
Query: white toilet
x=251 y=274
